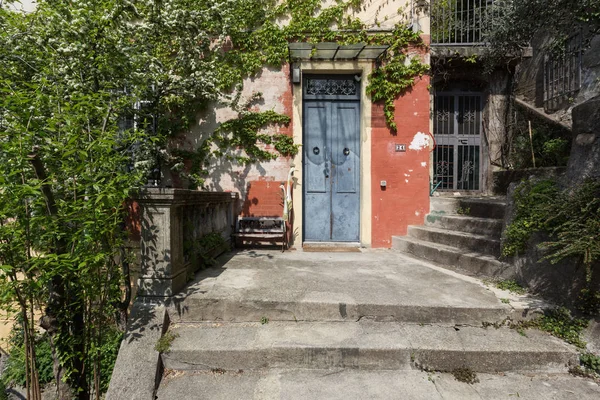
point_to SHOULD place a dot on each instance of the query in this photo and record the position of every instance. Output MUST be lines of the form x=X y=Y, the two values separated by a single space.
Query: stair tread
x=303 y=384
x=309 y=384
x=215 y=336
x=452 y=249
x=483 y=201
x=364 y=345
x=466 y=217
x=454 y=233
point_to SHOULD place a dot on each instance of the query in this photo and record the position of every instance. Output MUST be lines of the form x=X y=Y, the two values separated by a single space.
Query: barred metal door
x=457 y=130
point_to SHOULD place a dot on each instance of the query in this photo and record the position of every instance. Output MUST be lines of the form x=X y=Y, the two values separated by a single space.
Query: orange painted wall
x=405 y=200
x=264 y=198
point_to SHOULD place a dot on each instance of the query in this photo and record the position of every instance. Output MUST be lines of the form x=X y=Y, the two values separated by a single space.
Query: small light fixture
x=295 y=73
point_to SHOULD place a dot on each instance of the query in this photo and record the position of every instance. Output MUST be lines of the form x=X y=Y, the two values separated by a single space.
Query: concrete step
x=239 y=310
x=461 y=240
x=363 y=346
x=479 y=226
x=481 y=207
x=332 y=384
x=469 y=263
x=381 y=285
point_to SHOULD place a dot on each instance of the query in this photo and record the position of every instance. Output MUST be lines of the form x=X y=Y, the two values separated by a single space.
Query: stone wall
x=562 y=282
x=584 y=160
x=502 y=179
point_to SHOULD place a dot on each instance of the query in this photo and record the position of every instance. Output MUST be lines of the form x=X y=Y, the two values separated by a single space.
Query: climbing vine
x=264 y=43
x=93 y=95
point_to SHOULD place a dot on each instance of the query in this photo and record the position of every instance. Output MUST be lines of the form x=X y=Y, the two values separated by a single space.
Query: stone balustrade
x=171 y=221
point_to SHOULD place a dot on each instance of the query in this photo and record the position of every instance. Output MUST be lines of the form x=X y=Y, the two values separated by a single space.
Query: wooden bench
x=261 y=229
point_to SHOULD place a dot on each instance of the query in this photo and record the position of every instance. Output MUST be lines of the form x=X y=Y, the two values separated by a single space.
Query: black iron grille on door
x=457 y=131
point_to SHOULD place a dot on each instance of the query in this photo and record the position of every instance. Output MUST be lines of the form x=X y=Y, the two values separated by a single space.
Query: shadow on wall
x=264 y=198
x=560 y=283
x=224 y=173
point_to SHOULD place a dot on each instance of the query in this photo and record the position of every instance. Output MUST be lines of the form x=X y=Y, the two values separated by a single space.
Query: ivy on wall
x=269 y=28
x=91 y=94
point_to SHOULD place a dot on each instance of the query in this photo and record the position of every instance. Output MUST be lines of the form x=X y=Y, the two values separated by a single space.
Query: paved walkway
x=263 y=324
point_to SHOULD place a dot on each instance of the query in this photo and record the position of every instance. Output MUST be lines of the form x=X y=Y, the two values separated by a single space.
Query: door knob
x=346 y=151
x=316 y=151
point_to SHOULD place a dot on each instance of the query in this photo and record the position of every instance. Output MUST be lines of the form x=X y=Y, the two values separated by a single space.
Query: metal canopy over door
x=457 y=129
x=331 y=159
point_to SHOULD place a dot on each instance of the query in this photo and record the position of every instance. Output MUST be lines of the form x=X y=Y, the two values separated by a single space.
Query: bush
x=551 y=144
x=532 y=200
x=574 y=225
x=108 y=355
x=14 y=373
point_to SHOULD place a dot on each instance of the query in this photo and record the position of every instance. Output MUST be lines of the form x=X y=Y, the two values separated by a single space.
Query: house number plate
x=400 y=147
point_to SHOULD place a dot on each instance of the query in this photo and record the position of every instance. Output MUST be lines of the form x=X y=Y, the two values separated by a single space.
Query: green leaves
x=570 y=217
x=515 y=23
x=532 y=200
x=92 y=93
x=63 y=71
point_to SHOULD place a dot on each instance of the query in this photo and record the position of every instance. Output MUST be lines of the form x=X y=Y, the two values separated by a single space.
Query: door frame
x=332 y=101
x=364 y=68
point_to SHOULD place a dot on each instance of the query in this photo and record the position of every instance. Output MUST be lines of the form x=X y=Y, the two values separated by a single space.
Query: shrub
x=531 y=214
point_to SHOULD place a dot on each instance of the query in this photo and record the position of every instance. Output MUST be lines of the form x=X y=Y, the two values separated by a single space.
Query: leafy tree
x=513 y=23
x=73 y=75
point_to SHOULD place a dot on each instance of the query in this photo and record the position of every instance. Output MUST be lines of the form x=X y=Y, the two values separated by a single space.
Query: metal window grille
x=562 y=74
x=457 y=129
x=459 y=22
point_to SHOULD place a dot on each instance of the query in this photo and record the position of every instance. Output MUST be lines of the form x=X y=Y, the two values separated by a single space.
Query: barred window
x=562 y=74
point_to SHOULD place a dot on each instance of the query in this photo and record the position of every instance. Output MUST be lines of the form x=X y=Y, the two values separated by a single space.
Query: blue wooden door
x=331 y=171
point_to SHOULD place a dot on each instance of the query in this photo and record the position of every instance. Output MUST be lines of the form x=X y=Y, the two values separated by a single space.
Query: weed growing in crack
x=463 y=211
x=511 y=285
x=466 y=375
x=497 y=324
x=591 y=363
x=163 y=345
x=557 y=322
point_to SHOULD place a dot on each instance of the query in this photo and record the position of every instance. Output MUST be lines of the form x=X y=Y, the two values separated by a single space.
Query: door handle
x=346 y=151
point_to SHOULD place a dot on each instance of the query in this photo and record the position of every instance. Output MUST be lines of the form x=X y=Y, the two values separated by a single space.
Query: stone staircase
x=460 y=233
x=371 y=325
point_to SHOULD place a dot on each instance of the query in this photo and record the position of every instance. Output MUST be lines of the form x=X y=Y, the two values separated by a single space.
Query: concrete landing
x=381 y=285
x=359 y=385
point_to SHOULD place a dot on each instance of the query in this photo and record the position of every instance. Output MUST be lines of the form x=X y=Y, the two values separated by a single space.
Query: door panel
x=317 y=180
x=345 y=140
x=331 y=165
x=316 y=117
x=345 y=203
